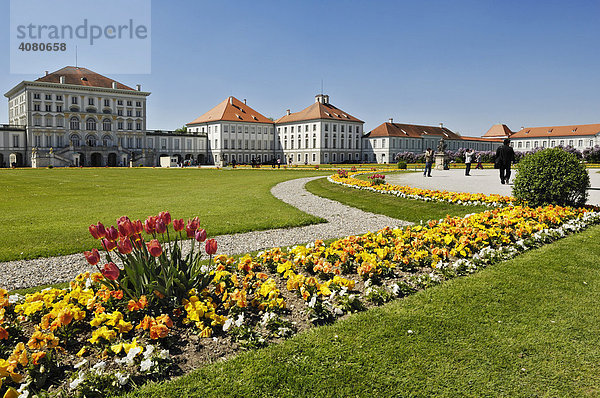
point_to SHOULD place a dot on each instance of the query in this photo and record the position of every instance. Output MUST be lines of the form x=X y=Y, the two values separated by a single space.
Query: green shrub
x=402 y=165
x=551 y=176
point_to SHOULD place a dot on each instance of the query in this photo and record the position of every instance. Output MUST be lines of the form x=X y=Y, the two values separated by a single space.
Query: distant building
x=236 y=132
x=321 y=133
x=581 y=136
x=384 y=142
x=77 y=117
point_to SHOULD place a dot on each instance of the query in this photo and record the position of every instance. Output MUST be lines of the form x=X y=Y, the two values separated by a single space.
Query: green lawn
x=392 y=206
x=47 y=211
x=526 y=327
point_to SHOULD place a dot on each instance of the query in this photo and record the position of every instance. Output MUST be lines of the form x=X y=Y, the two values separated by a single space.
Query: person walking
x=468 y=160
x=428 y=162
x=278 y=163
x=478 y=160
x=505 y=156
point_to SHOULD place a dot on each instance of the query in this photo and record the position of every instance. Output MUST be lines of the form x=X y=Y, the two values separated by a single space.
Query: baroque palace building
x=77 y=117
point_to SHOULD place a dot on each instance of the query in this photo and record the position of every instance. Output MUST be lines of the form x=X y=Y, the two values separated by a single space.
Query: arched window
x=74 y=123
x=106 y=125
x=90 y=124
x=107 y=140
x=75 y=138
x=91 y=140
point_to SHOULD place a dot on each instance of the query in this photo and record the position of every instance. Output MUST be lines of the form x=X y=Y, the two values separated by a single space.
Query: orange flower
x=165 y=320
x=36 y=357
x=133 y=305
x=3 y=333
x=146 y=323
x=118 y=294
x=158 y=331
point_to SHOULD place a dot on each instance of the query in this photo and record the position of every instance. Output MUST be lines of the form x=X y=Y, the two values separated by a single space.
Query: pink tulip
x=210 y=246
x=110 y=271
x=191 y=227
x=178 y=225
x=200 y=235
x=92 y=257
x=125 y=246
x=154 y=248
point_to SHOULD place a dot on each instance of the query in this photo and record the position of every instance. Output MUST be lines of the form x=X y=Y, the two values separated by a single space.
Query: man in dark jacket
x=505 y=156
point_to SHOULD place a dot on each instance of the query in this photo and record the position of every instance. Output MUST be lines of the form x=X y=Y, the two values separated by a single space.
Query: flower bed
x=464 y=198
x=107 y=332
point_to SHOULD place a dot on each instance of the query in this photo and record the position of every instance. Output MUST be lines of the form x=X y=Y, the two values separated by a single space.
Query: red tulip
x=101 y=230
x=150 y=225
x=94 y=231
x=210 y=246
x=112 y=233
x=165 y=216
x=154 y=248
x=125 y=246
x=191 y=227
x=178 y=225
x=109 y=245
x=200 y=235
x=92 y=257
x=110 y=271
x=125 y=228
x=161 y=227
x=137 y=227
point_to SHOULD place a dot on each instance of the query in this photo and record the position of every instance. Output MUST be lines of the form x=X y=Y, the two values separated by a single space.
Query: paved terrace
x=485 y=181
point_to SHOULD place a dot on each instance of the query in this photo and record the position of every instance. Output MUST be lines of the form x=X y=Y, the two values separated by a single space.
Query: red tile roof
x=412 y=130
x=498 y=130
x=319 y=110
x=81 y=77
x=232 y=110
x=558 y=131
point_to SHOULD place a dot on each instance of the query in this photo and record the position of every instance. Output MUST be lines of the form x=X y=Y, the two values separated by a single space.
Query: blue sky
x=468 y=64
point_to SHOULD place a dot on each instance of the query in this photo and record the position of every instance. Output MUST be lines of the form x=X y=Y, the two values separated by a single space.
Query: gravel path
x=342 y=221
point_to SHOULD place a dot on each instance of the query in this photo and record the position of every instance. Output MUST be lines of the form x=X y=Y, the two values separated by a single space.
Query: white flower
x=409 y=331
x=129 y=359
x=146 y=365
x=80 y=364
x=148 y=352
x=164 y=354
x=240 y=320
x=14 y=298
x=122 y=378
x=99 y=367
x=338 y=311
x=227 y=325
x=312 y=302
x=75 y=383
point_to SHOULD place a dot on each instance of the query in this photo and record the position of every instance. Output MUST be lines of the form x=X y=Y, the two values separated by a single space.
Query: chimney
x=326 y=99
x=391 y=120
x=114 y=85
x=231 y=100
x=322 y=98
x=244 y=101
x=138 y=87
x=288 y=112
x=62 y=80
x=441 y=125
x=522 y=127
x=46 y=72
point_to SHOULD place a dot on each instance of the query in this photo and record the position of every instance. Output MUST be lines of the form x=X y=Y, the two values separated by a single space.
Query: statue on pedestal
x=441 y=148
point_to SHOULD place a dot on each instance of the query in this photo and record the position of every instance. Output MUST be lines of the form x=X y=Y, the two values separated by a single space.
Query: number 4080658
x=25 y=46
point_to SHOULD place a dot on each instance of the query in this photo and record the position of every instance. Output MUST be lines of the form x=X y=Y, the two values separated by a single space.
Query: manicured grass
x=47 y=211
x=392 y=206
x=526 y=327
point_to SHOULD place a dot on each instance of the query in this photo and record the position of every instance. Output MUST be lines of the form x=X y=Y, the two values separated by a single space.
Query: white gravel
x=342 y=221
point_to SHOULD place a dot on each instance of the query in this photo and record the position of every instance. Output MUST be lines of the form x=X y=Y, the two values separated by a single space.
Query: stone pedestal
x=441 y=160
